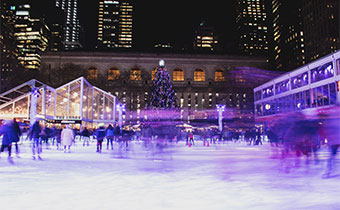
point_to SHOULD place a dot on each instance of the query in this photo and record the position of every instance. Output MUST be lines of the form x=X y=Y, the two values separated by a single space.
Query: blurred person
x=330 y=130
x=57 y=137
x=34 y=135
x=109 y=136
x=293 y=140
x=8 y=133
x=100 y=134
x=86 y=136
x=67 y=137
x=16 y=135
x=191 y=138
x=258 y=137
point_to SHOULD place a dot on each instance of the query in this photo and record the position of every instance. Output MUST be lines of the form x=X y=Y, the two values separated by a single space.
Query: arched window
x=199 y=75
x=92 y=73
x=153 y=74
x=113 y=74
x=178 y=75
x=219 y=75
x=135 y=74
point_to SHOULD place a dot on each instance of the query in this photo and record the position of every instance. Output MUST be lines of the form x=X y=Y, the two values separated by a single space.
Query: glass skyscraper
x=115 y=21
x=252 y=26
x=72 y=26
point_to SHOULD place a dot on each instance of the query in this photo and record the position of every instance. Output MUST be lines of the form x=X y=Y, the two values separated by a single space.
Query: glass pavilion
x=77 y=102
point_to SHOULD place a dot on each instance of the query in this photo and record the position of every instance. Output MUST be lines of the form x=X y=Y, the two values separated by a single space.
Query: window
x=322 y=72
x=258 y=95
x=153 y=74
x=135 y=74
x=219 y=75
x=332 y=93
x=267 y=92
x=299 y=80
x=113 y=74
x=325 y=93
x=199 y=75
x=178 y=75
x=282 y=87
x=338 y=65
x=92 y=73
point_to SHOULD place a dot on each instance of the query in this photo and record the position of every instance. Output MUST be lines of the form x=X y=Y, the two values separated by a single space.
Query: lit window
x=178 y=75
x=219 y=75
x=135 y=74
x=199 y=75
x=92 y=73
x=153 y=74
x=113 y=74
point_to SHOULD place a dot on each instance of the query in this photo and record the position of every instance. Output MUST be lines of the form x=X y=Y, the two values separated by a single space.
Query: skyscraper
x=287 y=36
x=115 y=21
x=252 y=26
x=8 y=50
x=206 y=38
x=54 y=17
x=31 y=37
x=321 y=27
x=72 y=28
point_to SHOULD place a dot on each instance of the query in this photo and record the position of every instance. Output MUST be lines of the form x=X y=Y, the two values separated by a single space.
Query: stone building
x=200 y=81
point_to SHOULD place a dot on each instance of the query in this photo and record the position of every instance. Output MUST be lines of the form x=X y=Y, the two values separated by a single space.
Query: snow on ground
x=228 y=176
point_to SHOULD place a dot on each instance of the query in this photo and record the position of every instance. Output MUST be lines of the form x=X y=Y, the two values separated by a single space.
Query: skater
x=67 y=138
x=34 y=135
x=109 y=136
x=16 y=135
x=191 y=138
x=100 y=134
x=8 y=132
x=57 y=137
x=330 y=130
x=86 y=137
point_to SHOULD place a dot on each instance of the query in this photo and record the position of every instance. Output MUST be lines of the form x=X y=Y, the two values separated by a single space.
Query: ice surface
x=223 y=176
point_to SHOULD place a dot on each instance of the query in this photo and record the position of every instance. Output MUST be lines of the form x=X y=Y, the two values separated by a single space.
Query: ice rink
x=222 y=176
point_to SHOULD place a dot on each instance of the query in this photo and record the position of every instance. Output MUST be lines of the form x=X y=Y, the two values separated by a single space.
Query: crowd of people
x=294 y=136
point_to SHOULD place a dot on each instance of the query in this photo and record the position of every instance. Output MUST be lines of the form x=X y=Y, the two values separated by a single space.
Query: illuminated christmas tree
x=162 y=93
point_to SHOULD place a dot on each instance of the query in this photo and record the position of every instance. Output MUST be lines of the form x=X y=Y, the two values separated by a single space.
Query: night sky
x=168 y=21
x=164 y=21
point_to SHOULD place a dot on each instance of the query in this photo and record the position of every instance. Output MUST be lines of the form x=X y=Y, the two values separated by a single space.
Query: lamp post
x=120 y=108
x=220 y=109
x=35 y=94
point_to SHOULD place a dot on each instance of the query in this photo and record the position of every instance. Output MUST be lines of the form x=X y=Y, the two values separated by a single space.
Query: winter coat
x=109 y=132
x=35 y=131
x=16 y=132
x=100 y=134
x=67 y=137
x=85 y=133
x=6 y=131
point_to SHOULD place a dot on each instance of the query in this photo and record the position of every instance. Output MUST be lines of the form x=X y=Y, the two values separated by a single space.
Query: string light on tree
x=162 y=93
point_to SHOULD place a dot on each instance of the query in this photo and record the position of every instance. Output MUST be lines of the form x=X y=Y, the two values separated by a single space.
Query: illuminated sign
x=57 y=121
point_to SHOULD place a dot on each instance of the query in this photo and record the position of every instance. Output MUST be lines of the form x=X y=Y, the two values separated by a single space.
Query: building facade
x=31 y=38
x=321 y=27
x=72 y=27
x=200 y=81
x=287 y=39
x=252 y=26
x=8 y=50
x=77 y=102
x=115 y=24
x=311 y=90
x=206 y=38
